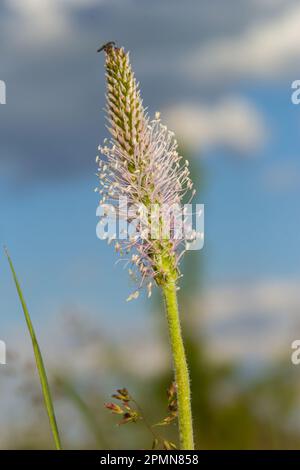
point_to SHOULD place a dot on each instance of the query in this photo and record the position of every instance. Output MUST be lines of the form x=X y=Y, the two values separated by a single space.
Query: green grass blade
x=38 y=359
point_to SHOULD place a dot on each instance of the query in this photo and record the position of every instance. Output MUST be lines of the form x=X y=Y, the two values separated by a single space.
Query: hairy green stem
x=180 y=367
x=38 y=359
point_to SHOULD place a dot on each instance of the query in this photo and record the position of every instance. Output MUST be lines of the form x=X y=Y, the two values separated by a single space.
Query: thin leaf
x=38 y=359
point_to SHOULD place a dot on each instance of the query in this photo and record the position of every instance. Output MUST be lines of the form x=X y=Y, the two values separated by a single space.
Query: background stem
x=180 y=366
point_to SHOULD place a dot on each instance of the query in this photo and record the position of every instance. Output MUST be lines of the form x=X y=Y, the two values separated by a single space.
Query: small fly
x=106 y=46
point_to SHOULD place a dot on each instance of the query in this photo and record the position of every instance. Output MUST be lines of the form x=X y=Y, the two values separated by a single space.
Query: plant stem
x=180 y=367
x=38 y=359
x=148 y=426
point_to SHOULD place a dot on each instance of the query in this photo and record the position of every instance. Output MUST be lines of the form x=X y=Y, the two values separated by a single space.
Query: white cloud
x=273 y=296
x=36 y=21
x=233 y=122
x=253 y=321
x=268 y=49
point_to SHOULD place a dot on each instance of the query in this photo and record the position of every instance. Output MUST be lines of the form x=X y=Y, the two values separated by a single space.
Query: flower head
x=141 y=162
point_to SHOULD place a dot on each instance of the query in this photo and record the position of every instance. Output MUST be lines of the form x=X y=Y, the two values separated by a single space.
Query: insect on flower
x=107 y=45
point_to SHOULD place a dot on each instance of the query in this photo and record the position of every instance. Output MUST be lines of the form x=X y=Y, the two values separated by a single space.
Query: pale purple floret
x=141 y=162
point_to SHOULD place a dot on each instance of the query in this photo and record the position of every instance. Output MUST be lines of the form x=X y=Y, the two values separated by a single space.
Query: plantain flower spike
x=140 y=161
